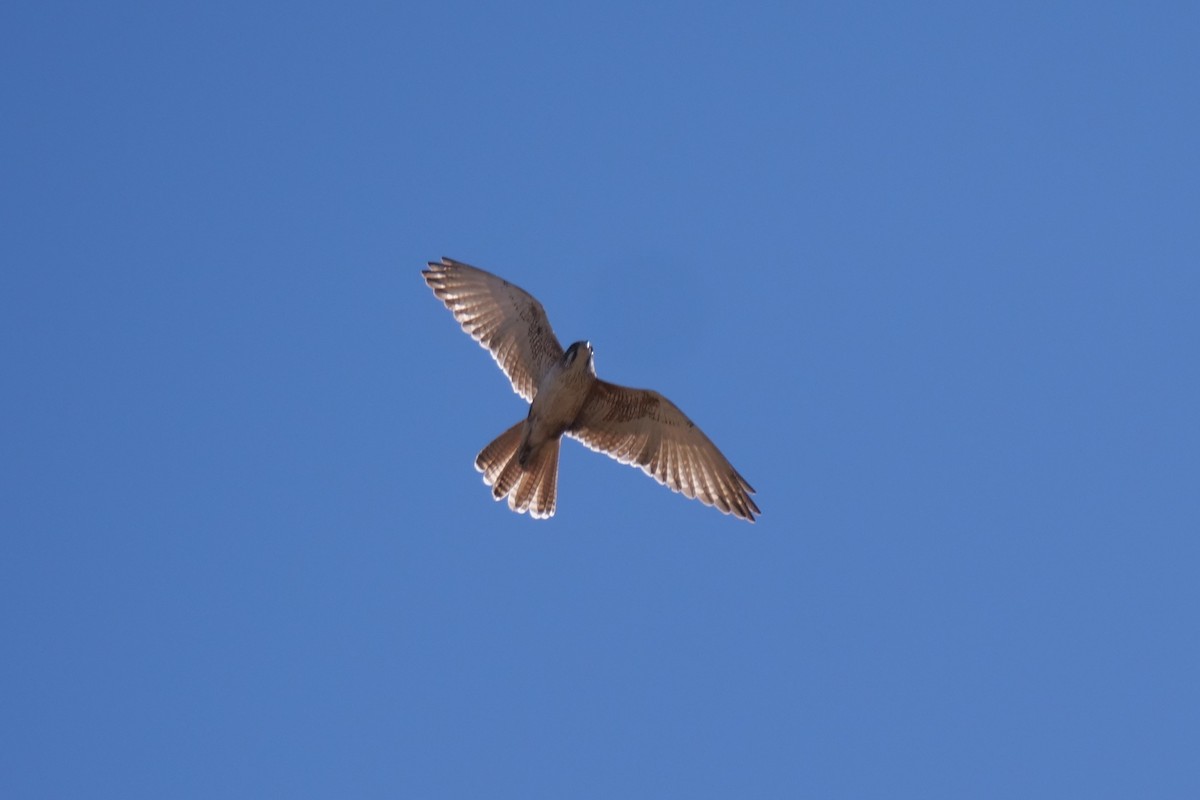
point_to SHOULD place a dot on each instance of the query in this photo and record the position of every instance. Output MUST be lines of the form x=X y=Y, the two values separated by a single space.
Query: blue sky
x=927 y=273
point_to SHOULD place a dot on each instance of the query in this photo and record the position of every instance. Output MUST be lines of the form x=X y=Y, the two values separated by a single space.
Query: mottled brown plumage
x=506 y=320
x=645 y=429
x=634 y=426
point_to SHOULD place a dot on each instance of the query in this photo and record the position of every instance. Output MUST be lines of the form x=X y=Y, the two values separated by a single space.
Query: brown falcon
x=634 y=426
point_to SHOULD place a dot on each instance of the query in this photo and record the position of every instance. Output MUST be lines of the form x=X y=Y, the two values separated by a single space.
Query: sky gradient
x=928 y=275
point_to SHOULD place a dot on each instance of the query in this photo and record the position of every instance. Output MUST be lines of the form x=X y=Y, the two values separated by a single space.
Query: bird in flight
x=639 y=427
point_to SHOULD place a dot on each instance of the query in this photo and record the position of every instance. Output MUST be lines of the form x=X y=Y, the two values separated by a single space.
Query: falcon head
x=581 y=352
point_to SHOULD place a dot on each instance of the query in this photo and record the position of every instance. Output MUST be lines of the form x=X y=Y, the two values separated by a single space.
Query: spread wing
x=502 y=317
x=645 y=429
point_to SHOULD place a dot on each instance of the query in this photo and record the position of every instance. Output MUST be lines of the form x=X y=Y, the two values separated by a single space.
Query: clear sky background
x=929 y=274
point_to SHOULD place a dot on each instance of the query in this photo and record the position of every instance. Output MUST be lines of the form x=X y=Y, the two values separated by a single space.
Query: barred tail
x=532 y=488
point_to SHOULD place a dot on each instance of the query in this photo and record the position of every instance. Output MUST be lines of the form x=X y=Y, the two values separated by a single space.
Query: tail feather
x=546 y=496
x=537 y=488
x=531 y=488
x=492 y=460
x=507 y=480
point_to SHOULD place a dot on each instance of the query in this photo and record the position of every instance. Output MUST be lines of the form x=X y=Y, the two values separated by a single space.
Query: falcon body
x=634 y=426
x=559 y=399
